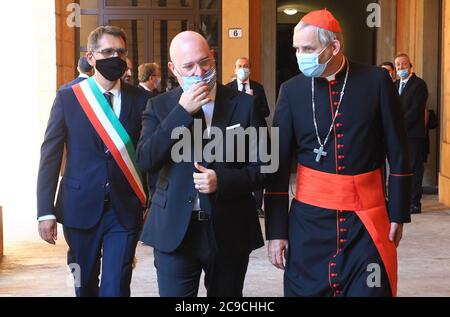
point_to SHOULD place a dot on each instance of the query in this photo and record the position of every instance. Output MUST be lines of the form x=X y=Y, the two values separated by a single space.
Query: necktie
x=108 y=95
x=244 y=87
x=402 y=88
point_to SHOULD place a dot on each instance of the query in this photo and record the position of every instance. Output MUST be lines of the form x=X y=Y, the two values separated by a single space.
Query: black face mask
x=111 y=68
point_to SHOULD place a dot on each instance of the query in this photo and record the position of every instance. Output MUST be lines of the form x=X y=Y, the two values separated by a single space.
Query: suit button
x=107 y=185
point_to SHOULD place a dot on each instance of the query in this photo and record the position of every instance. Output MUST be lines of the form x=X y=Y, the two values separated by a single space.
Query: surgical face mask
x=404 y=73
x=209 y=78
x=309 y=64
x=111 y=68
x=243 y=74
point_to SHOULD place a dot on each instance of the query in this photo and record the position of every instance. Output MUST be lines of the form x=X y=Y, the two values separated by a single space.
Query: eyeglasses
x=111 y=52
x=204 y=64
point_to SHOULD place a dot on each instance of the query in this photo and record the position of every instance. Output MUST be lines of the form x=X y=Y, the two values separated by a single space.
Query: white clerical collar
x=115 y=90
x=333 y=77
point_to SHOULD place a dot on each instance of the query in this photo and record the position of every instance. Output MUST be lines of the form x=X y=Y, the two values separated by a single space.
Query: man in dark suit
x=414 y=95
x=100 y=199
x=85 y=71
x=203 y=216
x=149 y=76
x=251 y=87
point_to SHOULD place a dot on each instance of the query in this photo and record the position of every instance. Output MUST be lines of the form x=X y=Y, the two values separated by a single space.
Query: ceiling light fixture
x=290 y=11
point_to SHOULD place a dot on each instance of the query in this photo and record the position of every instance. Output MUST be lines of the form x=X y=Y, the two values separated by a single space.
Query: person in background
x=85 y=71
x=243 y=83
x=149 y=76
x=413 y=93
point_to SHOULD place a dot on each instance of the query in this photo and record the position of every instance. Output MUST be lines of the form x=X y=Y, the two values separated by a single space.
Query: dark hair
x=146 y=71
x=390 y=64
x=98 y=33
x=83 y=65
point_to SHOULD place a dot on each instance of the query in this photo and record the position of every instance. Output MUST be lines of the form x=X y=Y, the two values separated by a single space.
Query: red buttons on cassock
x=343 y=230
x=341 y=168
x=340 y=146
x=339 y=125
x=333 y=264
x=341 y=220
x=342 y=241
x=341 y=157
x=340 y=136
x=333 y=275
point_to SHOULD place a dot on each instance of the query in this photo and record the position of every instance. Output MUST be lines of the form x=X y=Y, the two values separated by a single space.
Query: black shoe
x=416 y=210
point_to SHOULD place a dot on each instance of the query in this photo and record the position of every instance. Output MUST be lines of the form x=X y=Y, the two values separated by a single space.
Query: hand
x=396 y=233
x=195 y=98
x=48 y=230
x=205 y=181
x=278 y=252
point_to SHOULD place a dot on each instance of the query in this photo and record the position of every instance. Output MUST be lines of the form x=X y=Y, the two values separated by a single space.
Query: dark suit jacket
x=90 y=173
x=414 y=99
x=260 y=96
x=73 y=83
x=234 y=216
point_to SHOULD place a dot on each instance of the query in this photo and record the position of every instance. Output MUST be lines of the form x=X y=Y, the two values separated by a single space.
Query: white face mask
x=243 y=74
x=309 y=64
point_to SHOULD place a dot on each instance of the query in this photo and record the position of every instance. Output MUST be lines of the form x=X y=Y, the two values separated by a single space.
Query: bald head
x=187 y=44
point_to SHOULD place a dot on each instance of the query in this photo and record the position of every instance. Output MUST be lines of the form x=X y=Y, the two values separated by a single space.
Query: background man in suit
x=203 y=216
x=149 y=76
x=100 y=211
x=127 y=77
x=251 y=87
x=414 y=95
x=85 y=71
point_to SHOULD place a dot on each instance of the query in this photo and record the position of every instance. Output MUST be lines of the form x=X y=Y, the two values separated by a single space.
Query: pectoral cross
x=320 y=153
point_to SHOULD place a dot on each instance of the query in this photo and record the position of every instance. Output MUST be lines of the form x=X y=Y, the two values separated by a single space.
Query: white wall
x=28 y=66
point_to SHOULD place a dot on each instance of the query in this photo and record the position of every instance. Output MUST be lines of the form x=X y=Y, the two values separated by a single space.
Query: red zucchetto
x=323 y=19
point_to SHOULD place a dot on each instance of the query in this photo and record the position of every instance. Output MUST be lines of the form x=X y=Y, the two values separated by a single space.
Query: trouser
x=109 y=248
x=179 y=272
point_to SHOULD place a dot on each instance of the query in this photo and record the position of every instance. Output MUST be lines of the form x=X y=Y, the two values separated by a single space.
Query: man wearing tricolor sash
x=339 y=120
x=101 y=197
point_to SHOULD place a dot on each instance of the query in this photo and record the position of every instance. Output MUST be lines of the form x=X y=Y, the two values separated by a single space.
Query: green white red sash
x=111 y=131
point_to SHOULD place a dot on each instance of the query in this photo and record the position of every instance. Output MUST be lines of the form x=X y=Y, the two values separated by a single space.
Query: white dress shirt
x=117 y=106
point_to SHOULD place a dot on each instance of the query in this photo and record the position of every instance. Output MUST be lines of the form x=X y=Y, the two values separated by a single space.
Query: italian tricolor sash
x=111 y=131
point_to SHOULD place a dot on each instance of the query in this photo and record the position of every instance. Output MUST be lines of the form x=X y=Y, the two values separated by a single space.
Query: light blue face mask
x=209 y=78
x=404 y=73
x=243 y=74
x=309 y=64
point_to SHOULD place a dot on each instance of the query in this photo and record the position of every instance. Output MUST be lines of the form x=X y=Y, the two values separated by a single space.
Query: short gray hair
x=325 y=37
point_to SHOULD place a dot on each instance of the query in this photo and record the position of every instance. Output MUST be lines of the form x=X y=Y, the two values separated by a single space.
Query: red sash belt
x=362 y=194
